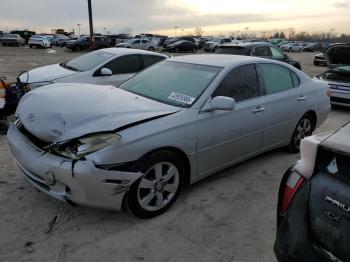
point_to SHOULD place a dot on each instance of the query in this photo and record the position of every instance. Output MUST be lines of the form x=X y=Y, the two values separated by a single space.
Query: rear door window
x=275 y=78
x=149 y=60
x=263 y=51
x=241 y=84
x=124 y=65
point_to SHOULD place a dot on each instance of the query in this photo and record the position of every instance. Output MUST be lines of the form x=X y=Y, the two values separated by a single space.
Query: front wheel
x=160 y=185
x=304 y=128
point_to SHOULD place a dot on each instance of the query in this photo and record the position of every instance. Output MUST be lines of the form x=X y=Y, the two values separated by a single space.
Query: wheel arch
x=313 y=114
x=181 y=154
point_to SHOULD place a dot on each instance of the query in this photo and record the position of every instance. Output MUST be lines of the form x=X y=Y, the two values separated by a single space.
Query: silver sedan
x=173 y=124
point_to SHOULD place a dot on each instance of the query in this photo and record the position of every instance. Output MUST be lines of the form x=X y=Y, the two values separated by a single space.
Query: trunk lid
x=337 y=55
x=329 y=203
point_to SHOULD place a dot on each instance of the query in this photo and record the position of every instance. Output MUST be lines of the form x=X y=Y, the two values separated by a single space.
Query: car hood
x=60 y=112
x=46 y=73
x=212 y=42
x=337 y=55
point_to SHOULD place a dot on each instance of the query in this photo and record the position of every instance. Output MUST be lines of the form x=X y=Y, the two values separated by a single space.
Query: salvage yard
x=227 y=217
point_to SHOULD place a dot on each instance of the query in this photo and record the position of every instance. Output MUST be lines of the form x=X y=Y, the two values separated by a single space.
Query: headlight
x=81 y=147
x=38 y=84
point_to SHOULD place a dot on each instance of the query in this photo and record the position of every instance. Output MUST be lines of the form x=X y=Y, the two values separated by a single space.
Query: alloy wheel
x=158 y=186
x=303 y=130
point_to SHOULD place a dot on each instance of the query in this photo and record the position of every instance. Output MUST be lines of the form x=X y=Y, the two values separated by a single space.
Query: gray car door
x=123 y=68
x=226 y=137
x=285 y=103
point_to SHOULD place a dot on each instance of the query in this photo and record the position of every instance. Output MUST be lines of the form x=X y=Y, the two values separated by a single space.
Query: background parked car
x=175 y=39
x=117 y=39
x=12 y=40
x=319 y=60
x=260 y=49
x=110 y=66
x=214 y=44
x=293 y=47
x=139 y=43
x=60 y=40
x=313 y=47
x=181 y=46
x=337 y=57
x=313 y=216
x=39 y=41
x=84 y=42
x=26 y=34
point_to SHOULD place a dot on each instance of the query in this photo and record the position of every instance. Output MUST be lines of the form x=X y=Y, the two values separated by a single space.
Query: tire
x=290 y=50
x=215 y=49
x=78 y=48
x=151 y=48
x=194 y=50
x=316 y=64
x=30 y=46
x=300 y=50
x=177 y=50
x=148 y=197
x=304 y=128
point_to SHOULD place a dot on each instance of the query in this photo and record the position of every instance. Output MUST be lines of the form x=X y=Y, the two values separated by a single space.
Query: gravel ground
x=227 y=217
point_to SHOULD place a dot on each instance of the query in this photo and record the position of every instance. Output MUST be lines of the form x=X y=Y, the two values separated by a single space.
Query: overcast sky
x=213 y=16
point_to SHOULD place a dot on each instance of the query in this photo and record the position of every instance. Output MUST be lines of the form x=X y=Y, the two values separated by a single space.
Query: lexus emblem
x=31 y=117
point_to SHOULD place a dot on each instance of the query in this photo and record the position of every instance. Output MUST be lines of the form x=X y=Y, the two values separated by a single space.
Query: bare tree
x=198 y=31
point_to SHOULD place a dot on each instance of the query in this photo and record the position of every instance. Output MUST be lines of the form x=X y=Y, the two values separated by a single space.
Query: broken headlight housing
x=78 y=148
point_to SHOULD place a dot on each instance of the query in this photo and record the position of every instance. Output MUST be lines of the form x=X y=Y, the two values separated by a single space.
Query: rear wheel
x=304 y=128
x=194 y=50
x=215 y=49
x=290 y=50
x=30 y=46
x=151 y=48
x=160 y=185
x=177 y=50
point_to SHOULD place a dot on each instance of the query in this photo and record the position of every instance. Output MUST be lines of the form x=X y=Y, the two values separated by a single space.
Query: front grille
x=340 y=100
x=33 y=139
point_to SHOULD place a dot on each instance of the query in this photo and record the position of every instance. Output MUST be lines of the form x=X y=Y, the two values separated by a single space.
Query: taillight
x=292 y=186
x=2 y=89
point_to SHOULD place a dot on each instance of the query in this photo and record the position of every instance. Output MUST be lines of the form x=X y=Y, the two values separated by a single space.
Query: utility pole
x=91 y=24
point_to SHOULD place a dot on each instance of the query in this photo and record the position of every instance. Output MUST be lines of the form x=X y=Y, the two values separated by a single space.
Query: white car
x=293 y=47
x=109 y=66
x=139 y=43
x=39 y=41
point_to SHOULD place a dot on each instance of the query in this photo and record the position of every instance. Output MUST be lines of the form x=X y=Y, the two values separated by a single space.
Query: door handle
x=302 y=98
x=258 y=109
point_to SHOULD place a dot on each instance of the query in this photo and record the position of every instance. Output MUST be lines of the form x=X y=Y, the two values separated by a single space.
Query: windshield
x=172 y=83
x=131 y=41
x=87 y=61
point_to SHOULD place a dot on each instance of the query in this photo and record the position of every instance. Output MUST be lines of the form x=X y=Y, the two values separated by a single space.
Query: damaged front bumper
x=80 y=182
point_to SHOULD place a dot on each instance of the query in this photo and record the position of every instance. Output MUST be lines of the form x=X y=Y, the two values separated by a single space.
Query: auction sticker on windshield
x=181 y=98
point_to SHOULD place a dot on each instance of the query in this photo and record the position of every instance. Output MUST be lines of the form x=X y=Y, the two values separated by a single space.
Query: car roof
x=250 y=44
x=219 y=60
x=339 y=140
x=126 y=51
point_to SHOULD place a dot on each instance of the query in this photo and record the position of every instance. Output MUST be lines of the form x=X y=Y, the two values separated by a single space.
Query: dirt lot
x=227 y=217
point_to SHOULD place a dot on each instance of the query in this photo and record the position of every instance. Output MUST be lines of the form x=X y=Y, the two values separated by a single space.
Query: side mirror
x=220 y=103
x=106 y=72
